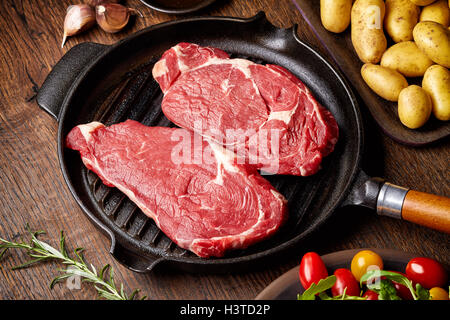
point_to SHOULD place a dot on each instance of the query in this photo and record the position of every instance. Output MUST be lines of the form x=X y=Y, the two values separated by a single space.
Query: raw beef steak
x=286 y=130
x=191 y=188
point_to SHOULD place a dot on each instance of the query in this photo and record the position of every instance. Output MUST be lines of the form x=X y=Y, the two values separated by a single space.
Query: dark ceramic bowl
x=287 y=286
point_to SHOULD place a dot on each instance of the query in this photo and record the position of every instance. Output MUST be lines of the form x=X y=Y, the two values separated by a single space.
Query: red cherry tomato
x=371 y=295
x=428 y=272
x=312 y=269
x=402 y=291
x=345 y=279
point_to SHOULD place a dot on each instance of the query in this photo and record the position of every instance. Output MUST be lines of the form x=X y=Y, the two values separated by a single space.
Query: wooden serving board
x=384 y=112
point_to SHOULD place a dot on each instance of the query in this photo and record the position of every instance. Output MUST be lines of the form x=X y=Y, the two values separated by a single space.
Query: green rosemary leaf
x=102 y=272
x=111 y=278
x=42 y=251
x=29 y=263
x=58 y=279
x=133 y=294
x=3 y=252
x=62 y=245
x=79 y=254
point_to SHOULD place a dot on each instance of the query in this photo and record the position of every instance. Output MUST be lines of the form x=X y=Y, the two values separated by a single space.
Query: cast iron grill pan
x=117 y=84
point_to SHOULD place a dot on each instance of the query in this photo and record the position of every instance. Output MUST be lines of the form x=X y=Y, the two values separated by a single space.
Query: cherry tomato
x=312 y=269
x=371 y=295
x=364 y=261
x=428 y=272
x=437 y=293
x=345 y=279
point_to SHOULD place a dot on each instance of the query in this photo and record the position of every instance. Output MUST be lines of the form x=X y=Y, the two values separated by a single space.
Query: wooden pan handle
x=427 y=210
x=418 y=207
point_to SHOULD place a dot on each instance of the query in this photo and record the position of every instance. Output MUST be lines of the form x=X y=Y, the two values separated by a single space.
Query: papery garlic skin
x=79 y=18
x=112 y=17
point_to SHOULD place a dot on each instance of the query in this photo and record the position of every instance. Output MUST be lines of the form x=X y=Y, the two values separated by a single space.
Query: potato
x=422 y=2
x=406 y=58
x=436 y=82
x=414 y=107
x=434 y=40
x=385 y=82
x=367 y=33
x=401 y=17
x=438 y=12
x=335 y=14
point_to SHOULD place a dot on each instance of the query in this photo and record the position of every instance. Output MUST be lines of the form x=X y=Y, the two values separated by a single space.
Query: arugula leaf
x=385 y=289
x=419 y=293
x=397 y=277
x=422 y=293
x=321 y=286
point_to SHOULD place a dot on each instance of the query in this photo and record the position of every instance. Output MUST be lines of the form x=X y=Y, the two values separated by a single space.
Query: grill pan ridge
x=118 y=85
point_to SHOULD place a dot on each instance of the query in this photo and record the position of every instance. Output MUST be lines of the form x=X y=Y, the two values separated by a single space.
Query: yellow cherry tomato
x=364 y=261
x=437 y=293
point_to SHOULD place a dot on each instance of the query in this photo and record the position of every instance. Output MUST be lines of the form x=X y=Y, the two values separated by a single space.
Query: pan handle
x=425 y=209
x=55 y=87
x=136 y=263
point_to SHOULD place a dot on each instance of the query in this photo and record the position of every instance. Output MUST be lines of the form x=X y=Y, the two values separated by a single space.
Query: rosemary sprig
x=40 y=251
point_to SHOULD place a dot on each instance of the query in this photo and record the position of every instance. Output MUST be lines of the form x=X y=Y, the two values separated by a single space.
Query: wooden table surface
x=32 y=188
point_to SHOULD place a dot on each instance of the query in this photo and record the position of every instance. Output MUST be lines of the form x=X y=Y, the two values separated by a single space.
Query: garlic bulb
x=113 y=17
x=78 y=18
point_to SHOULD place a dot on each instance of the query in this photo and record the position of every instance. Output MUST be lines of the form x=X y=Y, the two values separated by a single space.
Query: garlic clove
x=113 y=17
x=79 y=18
x=94 y=3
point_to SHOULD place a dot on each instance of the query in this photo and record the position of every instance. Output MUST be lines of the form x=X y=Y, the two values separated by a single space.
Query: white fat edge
x=279 y=196
x=224 y=86
x=241 y=64
x=284 y=116
x=160 y=69
x=181 y=66
x=309 y=95
x=224 y=159
x=87 y=128
x=223 y=156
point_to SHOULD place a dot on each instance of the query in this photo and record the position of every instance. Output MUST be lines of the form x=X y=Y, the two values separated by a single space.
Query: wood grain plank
x=32 y=189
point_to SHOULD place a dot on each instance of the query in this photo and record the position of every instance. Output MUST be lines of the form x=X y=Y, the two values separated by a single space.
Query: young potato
x=401 y=17
x=335 y=14
x=434 y=40
x=422 y=2
x=438 y=12
x=406 y=58
x=414 y=107
x=385 y=82
x=367 y=33
x=436 y=82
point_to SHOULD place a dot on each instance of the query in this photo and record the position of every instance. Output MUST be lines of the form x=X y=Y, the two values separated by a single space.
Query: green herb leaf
x=383 y=273
x=385 y=289
x=41 y=251
x=422 y=293
x=418 y=294
x=314 y=289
